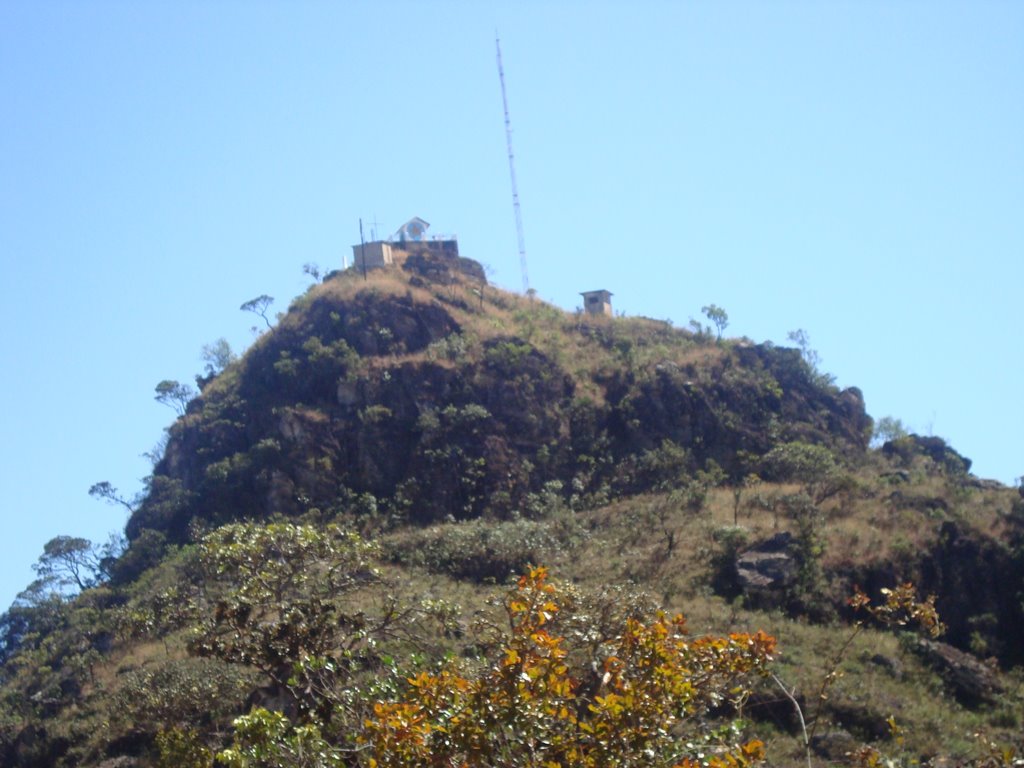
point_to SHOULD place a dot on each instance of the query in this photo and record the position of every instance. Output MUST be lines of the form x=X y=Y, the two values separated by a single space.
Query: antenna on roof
x=512 y=173
x=362 y=248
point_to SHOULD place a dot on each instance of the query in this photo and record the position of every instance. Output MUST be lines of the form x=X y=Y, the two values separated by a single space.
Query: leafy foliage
x=70 y=562
x=183 y=693
x=174 y=395
x=484 y=550
x=264 y=738
x=274 y=592
x=810 y=356
x=217 y=355
x=259 y=306
x=889 y=428
x=104 y=490
x=813 y=466
x=901 y=607
x=527 y=707
x=717 y=316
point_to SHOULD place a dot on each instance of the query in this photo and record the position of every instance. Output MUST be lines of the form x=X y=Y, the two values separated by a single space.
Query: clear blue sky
x=855 y=169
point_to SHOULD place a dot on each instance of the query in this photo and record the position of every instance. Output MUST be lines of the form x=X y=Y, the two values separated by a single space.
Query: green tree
x=813 y=466
x=635 y=698
x=36 y=613
x=264 y=738
x=73 y=562
x=104 y=490
x=802 y=339
x=259 y=306
x=274 y=598
x=717 y=316
x=313 y=270
x=558 y=687
x=810 y=356
x=888 y=428
x=174 y=395
x=217 y=356
x=156 y=453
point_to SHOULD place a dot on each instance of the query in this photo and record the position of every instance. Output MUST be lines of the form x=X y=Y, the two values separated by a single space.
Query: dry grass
x=588 y=346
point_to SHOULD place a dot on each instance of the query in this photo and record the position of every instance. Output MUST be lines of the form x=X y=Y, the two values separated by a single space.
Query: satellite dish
x=414 y=229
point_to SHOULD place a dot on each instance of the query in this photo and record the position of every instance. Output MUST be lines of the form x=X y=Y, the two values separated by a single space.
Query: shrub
x=481 y=550
x=183 y=692
x=640 y=705
x=453 y=347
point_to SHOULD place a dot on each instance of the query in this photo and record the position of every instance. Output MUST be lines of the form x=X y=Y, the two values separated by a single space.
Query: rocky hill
x=480 y=398
x=335 y=507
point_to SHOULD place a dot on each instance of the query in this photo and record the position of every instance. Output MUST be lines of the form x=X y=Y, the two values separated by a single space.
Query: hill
x=342 y=509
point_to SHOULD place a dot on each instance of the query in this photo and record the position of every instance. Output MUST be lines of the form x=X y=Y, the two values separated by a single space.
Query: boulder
x=769 y=566
x=970 y=680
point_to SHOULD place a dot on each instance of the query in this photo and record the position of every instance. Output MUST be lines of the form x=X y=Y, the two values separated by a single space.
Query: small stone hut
x=597 y=303
x=373 y=255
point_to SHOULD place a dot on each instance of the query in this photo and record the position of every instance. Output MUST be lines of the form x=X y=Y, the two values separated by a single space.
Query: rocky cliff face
x=429 y=395
x=977 y=578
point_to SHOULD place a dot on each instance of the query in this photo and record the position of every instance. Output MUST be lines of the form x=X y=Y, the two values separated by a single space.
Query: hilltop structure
x=410 y=239
x=597 y=302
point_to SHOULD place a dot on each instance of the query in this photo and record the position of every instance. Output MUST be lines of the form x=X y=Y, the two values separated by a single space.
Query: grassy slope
x=613 y=545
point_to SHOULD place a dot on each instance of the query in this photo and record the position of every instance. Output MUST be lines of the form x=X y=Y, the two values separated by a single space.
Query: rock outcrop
x=969 y=679
x=768 y=567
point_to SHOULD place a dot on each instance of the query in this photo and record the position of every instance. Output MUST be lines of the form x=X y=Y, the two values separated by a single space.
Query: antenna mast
x=512 y=173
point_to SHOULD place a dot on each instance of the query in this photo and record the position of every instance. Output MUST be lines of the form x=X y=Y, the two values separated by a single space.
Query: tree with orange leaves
x=529 y=708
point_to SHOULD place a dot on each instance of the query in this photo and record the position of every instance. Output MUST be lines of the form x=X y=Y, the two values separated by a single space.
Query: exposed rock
x=930 y=504
x=291 y=426
x=977 y=580
x=343 y=398
x=935 y=448
x=851 y=402
x=439 y=267
x=983 y=483
x=839 y=417
x=348 y=394
x=971 y=680
x=769 y=566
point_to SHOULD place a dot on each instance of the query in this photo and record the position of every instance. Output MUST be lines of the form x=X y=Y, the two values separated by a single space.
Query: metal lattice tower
x=512 y=173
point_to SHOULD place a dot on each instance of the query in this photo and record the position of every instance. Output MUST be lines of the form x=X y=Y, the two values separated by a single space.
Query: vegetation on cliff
x=337 y=558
